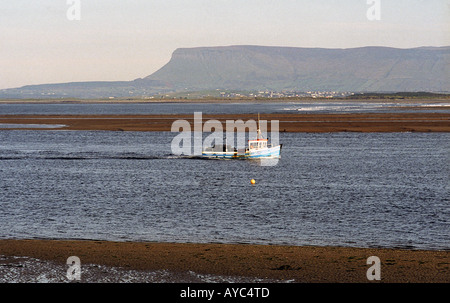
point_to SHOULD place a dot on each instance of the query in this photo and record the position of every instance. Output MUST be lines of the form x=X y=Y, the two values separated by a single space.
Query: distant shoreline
x=311 y=264
x=226 y=100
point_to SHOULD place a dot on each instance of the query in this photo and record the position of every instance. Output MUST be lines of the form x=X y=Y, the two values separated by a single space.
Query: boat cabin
x=257 y=144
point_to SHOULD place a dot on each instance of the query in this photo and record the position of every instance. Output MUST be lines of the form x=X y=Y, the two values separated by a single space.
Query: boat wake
x=85 y=156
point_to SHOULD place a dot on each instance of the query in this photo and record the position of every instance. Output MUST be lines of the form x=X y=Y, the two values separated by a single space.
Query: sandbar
x=350 y=122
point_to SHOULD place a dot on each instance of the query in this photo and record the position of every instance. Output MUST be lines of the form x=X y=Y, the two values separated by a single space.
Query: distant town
x=286 y=94
x=262 y=94
x=270 y=94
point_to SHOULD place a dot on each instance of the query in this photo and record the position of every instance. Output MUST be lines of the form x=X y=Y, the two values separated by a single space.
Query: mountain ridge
x=372 y=68
x=255 y=67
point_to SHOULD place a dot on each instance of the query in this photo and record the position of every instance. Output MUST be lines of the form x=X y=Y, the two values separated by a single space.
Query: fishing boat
x=258 y=148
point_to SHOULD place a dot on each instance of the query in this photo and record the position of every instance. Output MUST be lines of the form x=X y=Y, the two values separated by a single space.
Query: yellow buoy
x=252 y=181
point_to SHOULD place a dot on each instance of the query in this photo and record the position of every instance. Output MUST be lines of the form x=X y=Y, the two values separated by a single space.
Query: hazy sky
x=124 y=40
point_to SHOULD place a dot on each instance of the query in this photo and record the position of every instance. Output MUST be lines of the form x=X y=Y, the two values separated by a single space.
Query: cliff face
x=303 y=69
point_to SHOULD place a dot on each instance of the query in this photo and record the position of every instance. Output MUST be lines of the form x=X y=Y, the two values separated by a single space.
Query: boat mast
x=259 y=130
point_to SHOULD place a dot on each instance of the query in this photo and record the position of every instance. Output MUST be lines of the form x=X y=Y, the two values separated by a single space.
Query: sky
x=54 y=41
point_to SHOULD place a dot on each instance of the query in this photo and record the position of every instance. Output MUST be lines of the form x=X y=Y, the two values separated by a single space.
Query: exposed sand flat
x=355 y=122
x=294 y=263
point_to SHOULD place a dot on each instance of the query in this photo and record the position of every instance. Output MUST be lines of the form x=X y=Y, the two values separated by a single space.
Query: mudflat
x=354 y=122
x=293 y=263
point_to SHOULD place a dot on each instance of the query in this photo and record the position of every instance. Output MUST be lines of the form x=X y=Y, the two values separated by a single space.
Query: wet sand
x=355 y=122
x=282 y=263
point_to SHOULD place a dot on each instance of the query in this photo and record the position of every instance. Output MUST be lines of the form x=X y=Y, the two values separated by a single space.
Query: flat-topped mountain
x=306 y=69
x=364 y=69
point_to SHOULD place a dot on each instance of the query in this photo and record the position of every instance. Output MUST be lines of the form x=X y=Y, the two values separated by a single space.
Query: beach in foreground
x=354 y=122
x=270 y=262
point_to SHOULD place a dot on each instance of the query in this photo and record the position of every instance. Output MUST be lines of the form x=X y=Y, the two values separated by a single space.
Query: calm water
x=346 y=189
x=216 y=108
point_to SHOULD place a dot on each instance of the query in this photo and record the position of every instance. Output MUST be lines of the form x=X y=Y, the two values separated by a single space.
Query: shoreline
x=298 y=264
x=227 y=100
x=349 y=122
